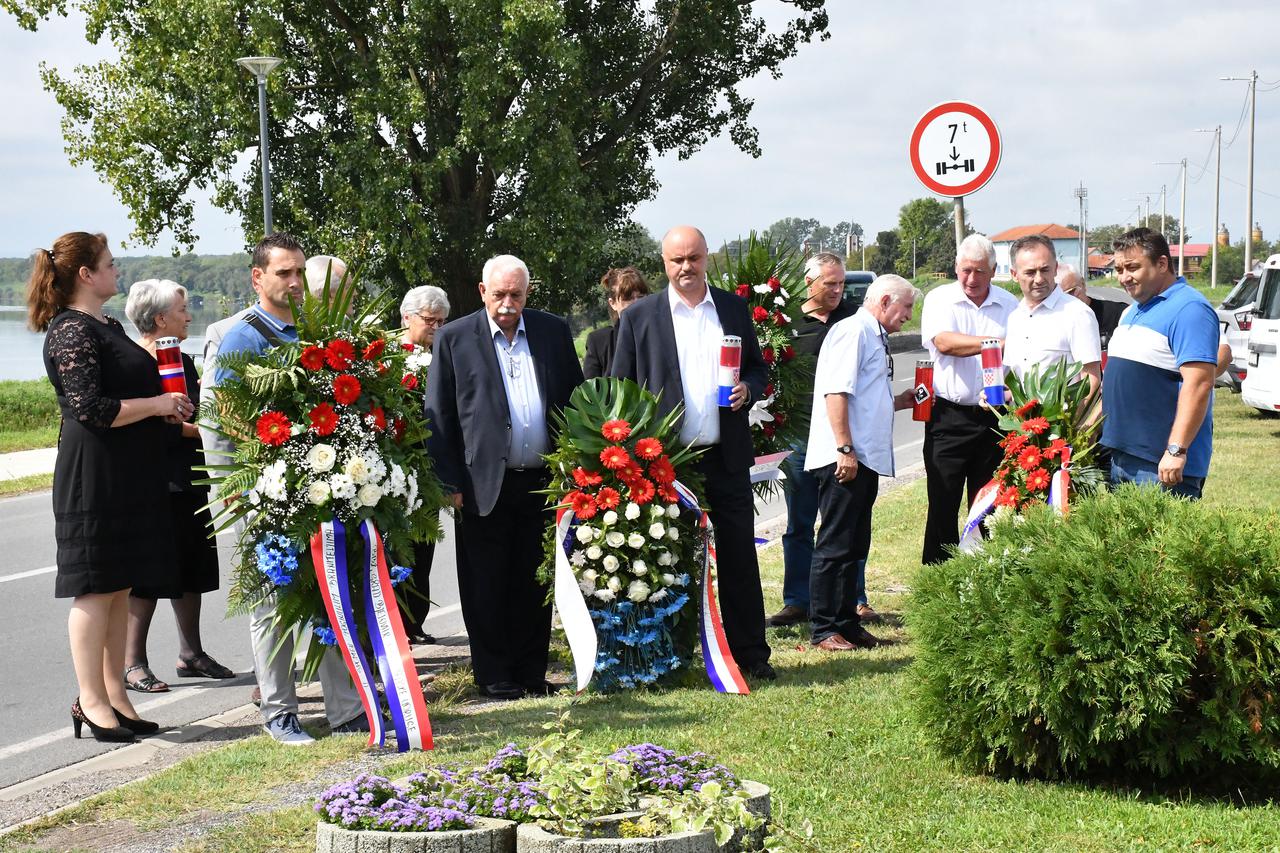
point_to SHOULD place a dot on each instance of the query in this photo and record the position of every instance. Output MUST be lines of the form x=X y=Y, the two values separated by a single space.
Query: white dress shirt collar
x=677 y=301
x=495 y=329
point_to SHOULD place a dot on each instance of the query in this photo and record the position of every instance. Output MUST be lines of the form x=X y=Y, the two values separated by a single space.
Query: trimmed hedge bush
x=1142 y=633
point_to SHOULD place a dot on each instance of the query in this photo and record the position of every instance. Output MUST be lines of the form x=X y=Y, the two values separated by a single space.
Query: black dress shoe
x=544 y=688
x=503 y=690
x=788 y=615
x=418 y=638
x=762 y=669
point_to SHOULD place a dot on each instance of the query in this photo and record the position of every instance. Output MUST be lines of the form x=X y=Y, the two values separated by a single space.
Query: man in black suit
x=496 y=376
x=670 y=343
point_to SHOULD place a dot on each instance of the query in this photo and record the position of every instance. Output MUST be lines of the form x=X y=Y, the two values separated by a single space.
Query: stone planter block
x=759 y=804
x=531 y=838
x=487 y=836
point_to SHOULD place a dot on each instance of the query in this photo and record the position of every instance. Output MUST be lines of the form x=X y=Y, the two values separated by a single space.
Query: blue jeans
x=1127 y=468
x=797 y=542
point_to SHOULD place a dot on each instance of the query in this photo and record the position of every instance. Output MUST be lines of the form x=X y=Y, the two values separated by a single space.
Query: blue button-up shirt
x=528 y=439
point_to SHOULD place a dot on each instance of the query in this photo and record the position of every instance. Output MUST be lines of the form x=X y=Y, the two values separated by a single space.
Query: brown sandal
x=148 y=683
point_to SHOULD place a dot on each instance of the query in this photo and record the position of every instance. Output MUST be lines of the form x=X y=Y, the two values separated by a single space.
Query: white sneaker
x=286 y=729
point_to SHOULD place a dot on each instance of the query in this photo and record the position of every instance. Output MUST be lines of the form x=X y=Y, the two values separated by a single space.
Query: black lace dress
x=110 y=485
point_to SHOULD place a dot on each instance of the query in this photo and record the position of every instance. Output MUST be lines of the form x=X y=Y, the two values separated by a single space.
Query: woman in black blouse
x=622 y=286
x=110 y=495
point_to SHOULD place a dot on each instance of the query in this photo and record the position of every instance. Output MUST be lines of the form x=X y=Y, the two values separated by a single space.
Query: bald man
x=669 y=342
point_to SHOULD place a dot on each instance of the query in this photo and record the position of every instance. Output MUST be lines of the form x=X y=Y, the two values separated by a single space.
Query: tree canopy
x=419 y=135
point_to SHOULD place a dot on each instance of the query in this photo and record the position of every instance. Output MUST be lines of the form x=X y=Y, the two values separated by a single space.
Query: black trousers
x=504 y=607
x=732 y=510
x=843 y=539
x=961 y=450
x=417 y=589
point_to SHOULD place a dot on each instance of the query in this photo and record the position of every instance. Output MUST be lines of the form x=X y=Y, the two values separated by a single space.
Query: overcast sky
x=1089 y=92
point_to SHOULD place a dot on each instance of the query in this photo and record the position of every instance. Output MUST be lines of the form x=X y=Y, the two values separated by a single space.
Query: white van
x=1261 y=385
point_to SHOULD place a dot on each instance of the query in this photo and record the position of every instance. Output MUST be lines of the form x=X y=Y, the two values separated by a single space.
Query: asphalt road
x=35 y=667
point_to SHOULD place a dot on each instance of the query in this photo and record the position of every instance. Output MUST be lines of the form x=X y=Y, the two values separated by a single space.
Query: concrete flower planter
x=759 y=804
x=531 y=838
x=487 y=836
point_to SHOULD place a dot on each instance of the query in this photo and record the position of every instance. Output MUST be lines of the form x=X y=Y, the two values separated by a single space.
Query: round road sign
x=955 y=149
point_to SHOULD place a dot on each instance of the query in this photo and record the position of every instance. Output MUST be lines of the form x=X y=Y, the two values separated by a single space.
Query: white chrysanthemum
x=779 y=300
x=396 y=483
x=763 y=289
x=272 y=483
x=614 y=539
x=638 y=591
x=615 y=584
x=585 y=533
x=669 y=579
x=357 y=469
x=377 y=467
x=657 y=531
x=656 y=511
x=610 y=563
x=418 y=360
x=673 y=510
x=638 y=567
x=590 y=574
x=321 y=458
x=636 y=540
x=658 y=596
x=673 y=534
x=318 y=492
x=587 y=587
x=605 y=594
x=665 y=558
x=594 y=552
x=342 y=486
x=633 y=511
x=578 y=558
x=610 y=518
x=254 y=497
x=411 y=496
x=369 y=494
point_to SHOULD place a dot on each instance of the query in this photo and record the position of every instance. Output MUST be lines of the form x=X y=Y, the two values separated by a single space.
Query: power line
x=1244 y=109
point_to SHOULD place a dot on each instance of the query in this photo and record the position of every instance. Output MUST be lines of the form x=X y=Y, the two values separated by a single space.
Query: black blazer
x=466 y=405
x=600 y=344
x=646 y=352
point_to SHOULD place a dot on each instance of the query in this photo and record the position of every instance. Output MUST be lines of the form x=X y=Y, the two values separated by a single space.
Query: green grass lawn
x=834 y=736
x=28 y=415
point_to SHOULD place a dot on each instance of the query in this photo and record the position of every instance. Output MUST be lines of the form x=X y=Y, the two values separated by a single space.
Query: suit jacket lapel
x=667 y=346
x=492 y=371
x=540 y=351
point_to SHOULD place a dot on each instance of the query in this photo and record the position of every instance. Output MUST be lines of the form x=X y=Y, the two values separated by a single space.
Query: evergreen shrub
x=1141 y=634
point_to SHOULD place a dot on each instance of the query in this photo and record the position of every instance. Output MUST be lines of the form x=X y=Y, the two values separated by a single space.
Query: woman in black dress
x=110 y=498
x=622 y=286
x=158 y=308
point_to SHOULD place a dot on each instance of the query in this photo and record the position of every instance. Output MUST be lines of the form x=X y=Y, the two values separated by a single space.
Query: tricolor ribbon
x=1060 y=484
x=982 y=505
x=579 y=630
x=769 y=467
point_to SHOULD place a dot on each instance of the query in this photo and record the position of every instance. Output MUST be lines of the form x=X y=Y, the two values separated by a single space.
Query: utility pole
x=1164 y=198
x=1081 y=194
x=1217 y=194
x=1182 y=219
x=913 y=257
x=1252 y=80
x=959 y=217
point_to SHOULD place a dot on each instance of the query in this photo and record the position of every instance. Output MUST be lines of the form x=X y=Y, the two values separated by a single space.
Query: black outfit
x=112 y=518
x=961 y=449
x=501 y=524
x=843 y=539
x=417 y=590
x=600 y=346
x=1108 y=314
x=813 y=332
x=646 y=353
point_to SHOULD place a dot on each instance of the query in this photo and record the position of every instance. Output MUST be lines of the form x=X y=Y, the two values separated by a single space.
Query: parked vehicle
x=1235 y=316
x=856 y=283
x=1261 y=385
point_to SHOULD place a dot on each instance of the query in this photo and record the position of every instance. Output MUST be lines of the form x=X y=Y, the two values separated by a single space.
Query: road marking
x=30 y=574
x=438 y=612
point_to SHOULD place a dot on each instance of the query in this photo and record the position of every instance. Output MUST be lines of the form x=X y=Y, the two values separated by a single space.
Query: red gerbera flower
x=648 y=448
x=1027 y=408
x=668 y=494
x=1008 y=497
x=273 y=428
x=1055 y=448
x=743 y=290
x=775 y=285
x=583 y=506
x=1029 y=458
x=662 y=471
x=339 y=354
x=585 y=478
x=374 y=349
x=615 y=430
x=312 y=357
x=1036 y=425
x=759 y=313
x=379 y=417
x=630 y=472
x=409 y=381
x=779 y=319
x=788 y=352
x=1016 y=441
x=346 y=389
x=324 y=420
x=642 y=491
x=614 y=458
x=769 y=357
x=608 y=498
x=1037 y=480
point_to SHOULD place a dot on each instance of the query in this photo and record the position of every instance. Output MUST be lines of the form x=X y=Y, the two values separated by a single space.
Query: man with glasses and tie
x=495 y=378
x=850 y=448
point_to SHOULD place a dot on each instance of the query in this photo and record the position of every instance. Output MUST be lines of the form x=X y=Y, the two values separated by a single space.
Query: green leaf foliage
x=1140 y=635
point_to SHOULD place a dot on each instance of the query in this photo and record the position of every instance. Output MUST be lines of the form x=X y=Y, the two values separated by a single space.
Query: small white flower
x=763 y=289
x=585 y=533
x=369 y=494
x=604 y=594
x=673 y=510
x=610 y=563
x=633 y=511
x=377 y=468
x=658 y=596
x=669 y=579
x=318 y=492
x=638 y=591
x=254 y=497
x=636 y=540
x=673 y=534
x=638 y=567
x=587 y=587
x=594 y=552
x=357 y=469
x=614 y=539
x=656 y=511
x=342 y=486
x=615 y=584
x=610 y=518
x=590 y=574
x=321 y=458
x=395 y=484
x=657 y=531
x=665 y=558
x=578 y=558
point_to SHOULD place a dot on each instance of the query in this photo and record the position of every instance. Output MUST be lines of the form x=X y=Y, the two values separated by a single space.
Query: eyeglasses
x=433 y=322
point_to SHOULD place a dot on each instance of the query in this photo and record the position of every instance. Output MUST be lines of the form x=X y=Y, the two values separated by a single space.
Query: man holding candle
x=689 y=320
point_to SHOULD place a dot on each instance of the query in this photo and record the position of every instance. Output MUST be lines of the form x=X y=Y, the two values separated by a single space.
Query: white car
x=1235 y=316
x=1261 y=385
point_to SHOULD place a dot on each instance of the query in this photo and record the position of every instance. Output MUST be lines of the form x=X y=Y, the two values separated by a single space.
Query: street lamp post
x=260 y=67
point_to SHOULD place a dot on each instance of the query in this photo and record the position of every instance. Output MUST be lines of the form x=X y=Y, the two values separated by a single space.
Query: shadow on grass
x=817 y=668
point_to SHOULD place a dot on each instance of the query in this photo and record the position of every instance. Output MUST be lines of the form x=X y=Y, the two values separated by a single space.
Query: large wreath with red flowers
x=770 y=276
x=329 y=427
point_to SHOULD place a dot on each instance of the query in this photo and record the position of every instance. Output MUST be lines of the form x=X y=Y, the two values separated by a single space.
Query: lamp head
x=259 y=66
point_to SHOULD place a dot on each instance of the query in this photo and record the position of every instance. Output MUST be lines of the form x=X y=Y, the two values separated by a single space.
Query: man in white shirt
x=960 y=442
x=850 y=448
x=1048 y=326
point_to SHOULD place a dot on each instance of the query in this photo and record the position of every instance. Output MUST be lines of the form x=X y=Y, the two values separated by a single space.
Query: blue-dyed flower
x=400 y=574
x=325 y=635
x=277 y=559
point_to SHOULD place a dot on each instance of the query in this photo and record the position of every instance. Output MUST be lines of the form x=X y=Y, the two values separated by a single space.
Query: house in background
x=1194 y=255
x=1066 y=243
x=1100 y=263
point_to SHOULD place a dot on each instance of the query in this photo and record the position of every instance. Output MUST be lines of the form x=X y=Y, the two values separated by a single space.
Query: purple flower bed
x=661 y=770
x=372 y=802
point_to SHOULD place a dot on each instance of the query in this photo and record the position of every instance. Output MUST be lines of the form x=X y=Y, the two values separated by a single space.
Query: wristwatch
x=1175 y=449
x=845 y=449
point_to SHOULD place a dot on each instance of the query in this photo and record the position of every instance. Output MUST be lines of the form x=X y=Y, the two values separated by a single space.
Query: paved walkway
x=26 y=463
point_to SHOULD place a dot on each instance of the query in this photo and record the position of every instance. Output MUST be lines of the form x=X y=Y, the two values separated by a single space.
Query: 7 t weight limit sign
x=955 y=148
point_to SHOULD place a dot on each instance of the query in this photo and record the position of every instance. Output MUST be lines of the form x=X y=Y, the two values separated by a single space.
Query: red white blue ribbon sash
x=985 y=501
x=579 y=630
x=769 y=467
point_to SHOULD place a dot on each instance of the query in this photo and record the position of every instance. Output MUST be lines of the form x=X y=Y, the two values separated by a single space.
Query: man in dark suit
x=670 y=343
x=496 y=376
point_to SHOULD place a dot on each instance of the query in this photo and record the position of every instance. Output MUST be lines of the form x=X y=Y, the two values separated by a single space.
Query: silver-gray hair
x=427 y=297
x=814 y=266
x=1065 y=271
x=500 y=264
x=149 y=299
x=897 y=288
x=317 y=270
x=976 y=247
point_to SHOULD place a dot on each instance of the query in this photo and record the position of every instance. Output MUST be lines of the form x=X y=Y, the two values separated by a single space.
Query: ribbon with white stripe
x=579 y=630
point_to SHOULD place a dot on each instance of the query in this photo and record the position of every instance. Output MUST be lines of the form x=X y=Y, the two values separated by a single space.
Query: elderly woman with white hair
x=158 y=308
x=423 y=310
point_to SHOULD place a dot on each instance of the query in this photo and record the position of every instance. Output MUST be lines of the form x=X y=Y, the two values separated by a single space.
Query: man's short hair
x=1151 y=242
x=976 y=247
x=426 y=297
x=1067 y=270
x=278 y=240
x=813 y=266
x=1028 y=242
x=502 y=263
x=894 y=286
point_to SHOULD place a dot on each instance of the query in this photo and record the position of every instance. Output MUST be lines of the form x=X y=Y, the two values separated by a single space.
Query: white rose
x=370 y=494
x=585 y=534
x=673 y=511
x=673 y=534
x=604 y=594
x=638 y=567
x=656 y=511
x=610 y=518
x=321 y=458
x=614 y=539
x=657 y=531
x=590 y=574
x=594 y=552
x=342 y=486
x=638 y=591
x=665 y=558
x=610 y=563
x=633 y=511
x=318 y=492
x=357 y=469
x=615 y=584
x=763 y=289
x=636 y=540
x=669 y=579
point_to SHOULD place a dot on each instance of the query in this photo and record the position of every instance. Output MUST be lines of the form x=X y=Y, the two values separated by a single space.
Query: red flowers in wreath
x=759 y=313
x=312 y=358
x=614 y=458
x=648 y=448
x=583 y=505
x=616 y=430
x=274 y=428
x=324 y=419
x=346 y=389
x=339 y=354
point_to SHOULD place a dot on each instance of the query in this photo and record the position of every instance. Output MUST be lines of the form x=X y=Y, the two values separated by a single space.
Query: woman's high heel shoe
x=108 y=734
x=138 y=727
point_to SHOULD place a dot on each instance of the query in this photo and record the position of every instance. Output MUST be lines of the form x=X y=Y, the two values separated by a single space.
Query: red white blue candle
x=730 y=368
x=169 y=359
x=992 y=372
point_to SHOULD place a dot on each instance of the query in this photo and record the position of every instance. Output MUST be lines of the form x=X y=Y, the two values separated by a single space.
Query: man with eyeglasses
x=850 y=448
x=496 y=376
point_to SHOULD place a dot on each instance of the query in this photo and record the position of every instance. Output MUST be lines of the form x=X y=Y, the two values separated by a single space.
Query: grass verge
x=28 y=415
x=21 y=485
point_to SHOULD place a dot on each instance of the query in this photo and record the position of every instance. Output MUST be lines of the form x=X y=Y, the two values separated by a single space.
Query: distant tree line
x=210 y=276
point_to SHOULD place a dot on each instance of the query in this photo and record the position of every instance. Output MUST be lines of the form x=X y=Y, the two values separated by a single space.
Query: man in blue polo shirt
x=1157 y=390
